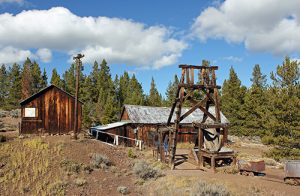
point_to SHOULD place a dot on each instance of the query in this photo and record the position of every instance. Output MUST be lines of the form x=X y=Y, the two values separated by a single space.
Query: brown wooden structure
x=149 y=119
x=49 y=111
x=187 y=89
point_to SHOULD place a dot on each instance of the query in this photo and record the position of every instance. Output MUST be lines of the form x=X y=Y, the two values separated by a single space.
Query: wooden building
x=49 y=111
x=142 y=123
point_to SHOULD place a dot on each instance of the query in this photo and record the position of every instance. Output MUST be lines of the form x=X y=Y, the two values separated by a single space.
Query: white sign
x=30 y=112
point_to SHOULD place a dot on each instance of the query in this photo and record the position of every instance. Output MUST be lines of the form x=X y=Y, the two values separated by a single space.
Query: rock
x=6 y=128
x=123 y=190
x=3 y=113
x=2 y=138
x=15 y=113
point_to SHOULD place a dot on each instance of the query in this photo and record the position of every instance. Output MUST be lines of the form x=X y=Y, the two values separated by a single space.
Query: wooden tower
x=188 y=88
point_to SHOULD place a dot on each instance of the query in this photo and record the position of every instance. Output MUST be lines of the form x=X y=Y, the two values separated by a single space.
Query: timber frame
x=187 y=88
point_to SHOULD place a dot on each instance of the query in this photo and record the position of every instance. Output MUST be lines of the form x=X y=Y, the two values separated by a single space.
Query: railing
x=117 y=138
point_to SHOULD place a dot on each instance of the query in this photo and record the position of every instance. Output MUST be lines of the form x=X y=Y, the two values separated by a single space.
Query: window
x=30 y=112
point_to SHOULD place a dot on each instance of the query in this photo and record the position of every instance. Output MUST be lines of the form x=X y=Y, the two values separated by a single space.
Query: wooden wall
x=147 y=131
x=54 y=113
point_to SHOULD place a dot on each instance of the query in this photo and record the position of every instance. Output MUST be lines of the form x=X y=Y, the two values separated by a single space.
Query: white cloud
x=9 y=55
x=44 y=54
x=117 y=40
x=233 y=58
x=269 y=25
x=20 y=2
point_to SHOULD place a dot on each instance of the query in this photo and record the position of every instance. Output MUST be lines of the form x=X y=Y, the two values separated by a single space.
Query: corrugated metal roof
x=111 y=125
x=160 y=115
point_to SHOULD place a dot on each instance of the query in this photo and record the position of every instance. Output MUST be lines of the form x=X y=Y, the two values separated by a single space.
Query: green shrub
x=88 y=169
x=267 y=140
x=70 y=166
x=202 y=188
x=100 y=161
x=58 y=188
x=131 y=154
x=80 y=181
x=144 y=171
x=123 y=190
x=279 y=153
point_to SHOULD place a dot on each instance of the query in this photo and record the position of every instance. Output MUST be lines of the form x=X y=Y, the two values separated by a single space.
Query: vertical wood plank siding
x=55 y=113
x=146 y=129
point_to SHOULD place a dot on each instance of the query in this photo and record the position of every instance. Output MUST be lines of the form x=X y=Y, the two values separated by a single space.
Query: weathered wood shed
x=51 y=111
x=147 y=118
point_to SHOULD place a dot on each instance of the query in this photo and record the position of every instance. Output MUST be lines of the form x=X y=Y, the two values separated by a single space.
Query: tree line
x=271 y=111
x=103 y=95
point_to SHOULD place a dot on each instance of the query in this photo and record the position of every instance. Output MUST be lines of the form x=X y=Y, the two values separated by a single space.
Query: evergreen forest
x=268 y=110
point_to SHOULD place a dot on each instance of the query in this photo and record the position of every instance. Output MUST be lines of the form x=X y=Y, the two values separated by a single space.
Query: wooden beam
x=206 y=112
x=217 y=105
x=192 y=76
x=198 y=67
x=198 y=86
x=191 y=110
x=173 y=108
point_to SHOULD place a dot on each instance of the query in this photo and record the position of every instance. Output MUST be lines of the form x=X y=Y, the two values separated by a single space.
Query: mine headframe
x=188 y=89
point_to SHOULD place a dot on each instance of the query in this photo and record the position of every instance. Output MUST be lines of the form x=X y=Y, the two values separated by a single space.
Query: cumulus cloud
x=233 y=58
x=44 y=54
x=9 y=55
x=269 y=25
x=115 y=39
x=12 y=1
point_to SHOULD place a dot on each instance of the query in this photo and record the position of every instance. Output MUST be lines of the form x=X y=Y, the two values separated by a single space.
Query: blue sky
x=150 y=38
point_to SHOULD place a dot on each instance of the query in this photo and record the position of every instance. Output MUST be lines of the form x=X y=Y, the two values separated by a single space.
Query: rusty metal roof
x=160 y=115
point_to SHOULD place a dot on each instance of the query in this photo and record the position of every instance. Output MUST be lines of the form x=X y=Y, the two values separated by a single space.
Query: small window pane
x=30 y=112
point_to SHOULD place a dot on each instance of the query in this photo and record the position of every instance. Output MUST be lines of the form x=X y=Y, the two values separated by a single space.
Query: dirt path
x=270 y=184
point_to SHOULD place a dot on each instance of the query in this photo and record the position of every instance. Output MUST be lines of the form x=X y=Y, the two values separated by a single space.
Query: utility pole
x=78 y=68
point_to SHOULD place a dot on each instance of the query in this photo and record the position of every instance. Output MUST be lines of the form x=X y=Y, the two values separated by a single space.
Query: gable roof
x=160 y=115
x=43 y=91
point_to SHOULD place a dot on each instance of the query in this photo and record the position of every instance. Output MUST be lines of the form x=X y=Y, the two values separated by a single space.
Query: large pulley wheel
x=212 y=140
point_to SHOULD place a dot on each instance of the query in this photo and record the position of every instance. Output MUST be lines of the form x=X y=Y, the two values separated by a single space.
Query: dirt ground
x=107 y=181
x=269 y=184
x=98 y=182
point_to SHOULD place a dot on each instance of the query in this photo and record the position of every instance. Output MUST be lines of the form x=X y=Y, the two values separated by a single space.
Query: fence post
x=140 y=144
x=117 y=140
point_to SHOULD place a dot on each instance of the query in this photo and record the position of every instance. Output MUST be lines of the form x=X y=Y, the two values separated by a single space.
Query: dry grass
x=26 y=162
x=145 y=171
x=187 y=186
x=185 y=145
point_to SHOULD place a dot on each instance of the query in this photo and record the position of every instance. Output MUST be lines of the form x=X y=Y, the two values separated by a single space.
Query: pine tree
x=37 y=79
x=171 y=91
x=117 y=92
x=55 y=79
x=124 y=89
x=136 y=96
x=69 y=80
x=15 y=87
x=255 y=107
x=89 y=111
x=4 y=84
x=258 y=79
x=107 y=101
x=154 y=98
x=94 y=76
x=284 y=121
x=44 y=82
x=26 y=79
x=232 y=101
